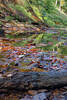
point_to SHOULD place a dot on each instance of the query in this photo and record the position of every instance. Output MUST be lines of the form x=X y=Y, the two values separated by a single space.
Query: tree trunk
x=56 y=3
x=33 y=80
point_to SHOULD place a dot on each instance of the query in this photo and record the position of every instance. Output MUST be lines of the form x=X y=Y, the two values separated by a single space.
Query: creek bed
x=41 y=94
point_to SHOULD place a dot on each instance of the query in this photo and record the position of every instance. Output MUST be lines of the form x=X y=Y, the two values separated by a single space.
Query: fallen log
x=31 y=80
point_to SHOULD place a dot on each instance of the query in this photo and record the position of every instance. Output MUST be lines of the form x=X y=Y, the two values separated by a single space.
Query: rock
x=42 y=90
x=65 y=87
x=32 y=92
x=40 y=96
x=9 y=75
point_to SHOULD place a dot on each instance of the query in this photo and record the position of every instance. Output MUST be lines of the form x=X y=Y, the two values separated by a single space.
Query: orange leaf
x=36 y=18
x=33 y=50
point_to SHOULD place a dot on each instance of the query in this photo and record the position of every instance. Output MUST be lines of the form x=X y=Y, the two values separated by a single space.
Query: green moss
x=9 y=36
x=9 y=18
x=63 y=49
x=38 y=38
x=1 y=23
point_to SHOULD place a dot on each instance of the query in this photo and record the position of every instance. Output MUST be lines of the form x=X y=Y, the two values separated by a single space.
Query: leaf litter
x=27 y=57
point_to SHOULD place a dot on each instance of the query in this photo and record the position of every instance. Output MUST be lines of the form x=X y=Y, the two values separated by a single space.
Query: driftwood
x=31 y=80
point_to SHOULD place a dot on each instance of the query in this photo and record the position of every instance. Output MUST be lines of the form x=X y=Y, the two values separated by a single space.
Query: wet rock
x=40 y=96
x=32 y=92
x=9 y=75
x=65 y=87
x=42 y=90
x=61 y=97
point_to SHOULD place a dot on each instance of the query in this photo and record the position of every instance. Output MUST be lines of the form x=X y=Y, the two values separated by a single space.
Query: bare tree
x=56 y=2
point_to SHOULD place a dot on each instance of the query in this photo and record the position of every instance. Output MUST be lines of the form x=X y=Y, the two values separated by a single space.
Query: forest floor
x=28 y=47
